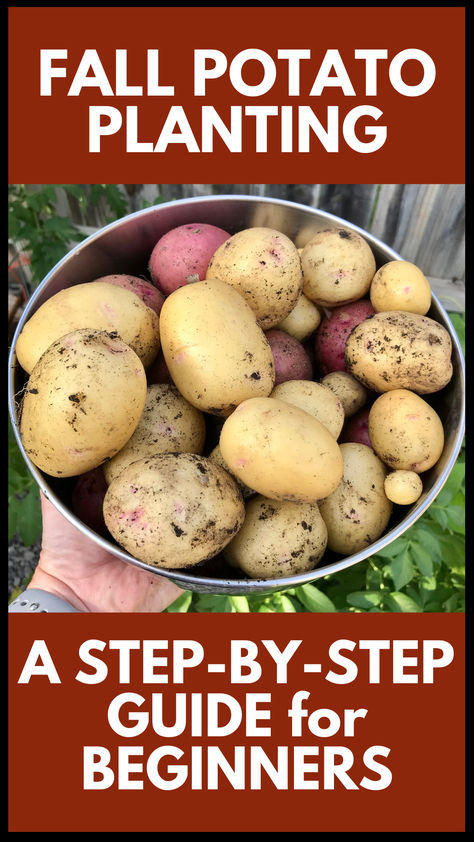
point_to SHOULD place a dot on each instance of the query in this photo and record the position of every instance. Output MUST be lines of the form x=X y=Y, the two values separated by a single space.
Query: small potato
x=82 y=402
x=332 y=333
x=358 y=511
x=216 y=457
x=290 y=357
x=147 y=292
x=349 y=392
x=264 y=266
x=405 y=431
x=181 y=256
x=278 y=539
x=216 y=353
x=169 y=424
x=338 y=267
x=281 y=451
x=398 y=350
x=314 y=398
x=173 y=509
x=400 y=285
x=302 y=321
x=98 y=306
x=403 y=487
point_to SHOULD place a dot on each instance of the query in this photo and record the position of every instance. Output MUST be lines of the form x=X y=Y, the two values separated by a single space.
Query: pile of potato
x=250 y=401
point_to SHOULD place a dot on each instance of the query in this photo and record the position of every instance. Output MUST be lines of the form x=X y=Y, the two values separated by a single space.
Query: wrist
x=45 y=581
x=35 y=600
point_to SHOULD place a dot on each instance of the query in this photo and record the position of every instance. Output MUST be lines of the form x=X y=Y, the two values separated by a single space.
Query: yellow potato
x=169 y=424
x=173 y=509
x=303 y=319
x=281 y=451
x=264 y=266
x=348 y=391
x=216 y=353
x=403 y=487
x=338 y=267
x=99 y=306
x=216 y=457
x=82 y=402
x=398 y=350
x=358 y=511
x=278 y=539
x=314 y=398
x=400 y=285
x=405 y=431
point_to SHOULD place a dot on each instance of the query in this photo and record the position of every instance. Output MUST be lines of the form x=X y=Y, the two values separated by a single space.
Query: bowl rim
x=209 y=584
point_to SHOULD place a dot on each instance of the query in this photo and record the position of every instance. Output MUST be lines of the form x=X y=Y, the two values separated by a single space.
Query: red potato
x=333 y=332
x=291 y=360
x=158 y=371
x=149 y=294
x=357 y=429
x=182 y=255
x=88 y=498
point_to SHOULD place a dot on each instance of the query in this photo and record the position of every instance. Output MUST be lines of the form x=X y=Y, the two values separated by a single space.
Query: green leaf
x=181 y=604
x=365 y=599
x=422 y=558
x=213 y=603
x=239 y=604
x=430 y=542
x=29 y=523
x=401 y=569
x=393 y=549
x=314 y=599
x=401 y=602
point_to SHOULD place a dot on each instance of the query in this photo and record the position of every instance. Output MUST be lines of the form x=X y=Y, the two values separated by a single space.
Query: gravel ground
x=21 y=563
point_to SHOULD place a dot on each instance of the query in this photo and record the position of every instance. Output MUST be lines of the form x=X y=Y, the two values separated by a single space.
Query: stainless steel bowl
x=124 y=247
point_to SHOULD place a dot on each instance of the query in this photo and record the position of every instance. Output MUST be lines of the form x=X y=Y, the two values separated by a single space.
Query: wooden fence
x=425 y=223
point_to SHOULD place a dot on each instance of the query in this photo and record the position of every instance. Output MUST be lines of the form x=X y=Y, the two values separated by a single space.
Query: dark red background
x=49 y=136
x=422 y=724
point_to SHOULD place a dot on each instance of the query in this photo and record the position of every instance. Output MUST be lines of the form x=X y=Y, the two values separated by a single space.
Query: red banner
x=295 y=722
x=241 y=94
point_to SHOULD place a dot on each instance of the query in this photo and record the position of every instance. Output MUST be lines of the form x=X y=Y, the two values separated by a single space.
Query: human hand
x=74 y=568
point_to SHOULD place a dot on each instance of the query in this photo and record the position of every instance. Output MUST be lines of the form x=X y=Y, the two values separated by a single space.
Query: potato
x=338 y=267
x=290 y=358
x=216 y=457
x=278 y=538
x=357 y=428
x=303 y=319
x=400 y=285
x=331 y=336
x=264 y=266
x=358 y=511
x=349 y=392
x=216 y=353
x=182 y=255
x=398 y=350
x=95 y=306
x=403 y=487
x=173 y=509
x=168 y=424
x=82 y=402
x=149 y=294
x=87 y=500
x=158 y=371
x=281 y=451
x=314 y=398
x=405 y=431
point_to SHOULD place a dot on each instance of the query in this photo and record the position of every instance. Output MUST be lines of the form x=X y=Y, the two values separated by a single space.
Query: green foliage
x=24 y=511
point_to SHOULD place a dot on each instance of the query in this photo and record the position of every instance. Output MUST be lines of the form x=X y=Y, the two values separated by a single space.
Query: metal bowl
x=124 y=247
